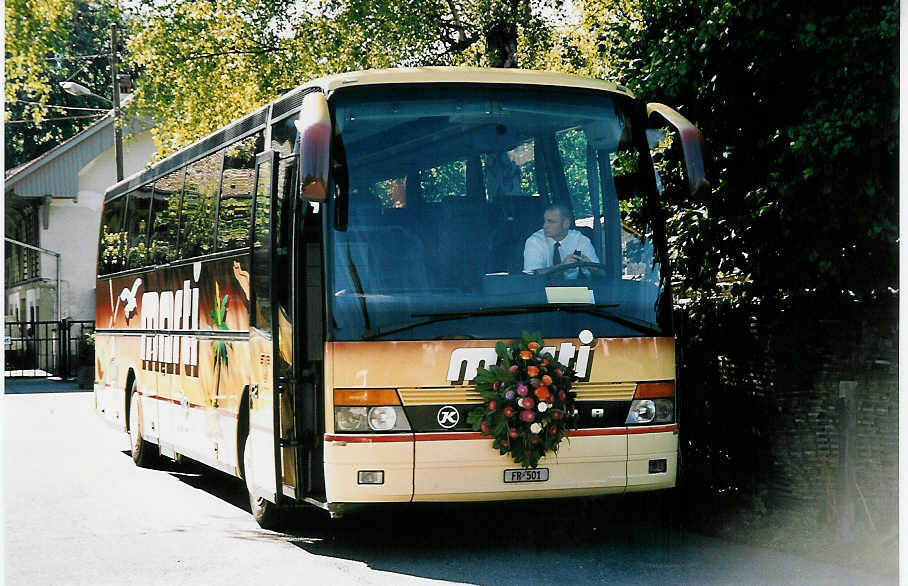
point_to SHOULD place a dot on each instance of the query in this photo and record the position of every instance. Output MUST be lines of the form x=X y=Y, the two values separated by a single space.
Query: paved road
x=77 y=511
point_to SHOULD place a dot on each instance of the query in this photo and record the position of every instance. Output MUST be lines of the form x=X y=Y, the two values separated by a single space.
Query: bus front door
x=261 y=459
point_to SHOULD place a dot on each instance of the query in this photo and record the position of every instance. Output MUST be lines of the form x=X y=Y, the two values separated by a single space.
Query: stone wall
x=809 y=451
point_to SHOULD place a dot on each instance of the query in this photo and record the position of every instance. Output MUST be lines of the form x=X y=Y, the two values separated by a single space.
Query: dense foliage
x=47 y=43
x=205 y=64
x=799 y=108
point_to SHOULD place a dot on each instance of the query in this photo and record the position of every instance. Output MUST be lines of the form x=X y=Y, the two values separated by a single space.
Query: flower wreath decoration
x=529 y=405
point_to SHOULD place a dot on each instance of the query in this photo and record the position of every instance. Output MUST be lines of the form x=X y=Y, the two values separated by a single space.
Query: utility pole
x=118 y=133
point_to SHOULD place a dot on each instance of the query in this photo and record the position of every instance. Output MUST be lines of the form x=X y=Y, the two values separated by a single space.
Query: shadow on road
x=228 y=488
x=25 y=386
x=416 y=538
x=632 y=539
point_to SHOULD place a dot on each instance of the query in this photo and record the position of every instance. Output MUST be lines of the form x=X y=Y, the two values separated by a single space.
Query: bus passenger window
x=200 y=193
x=112 y=243
x=137 y=226
x=165 y=218
x=444 y=181
x=236 y=195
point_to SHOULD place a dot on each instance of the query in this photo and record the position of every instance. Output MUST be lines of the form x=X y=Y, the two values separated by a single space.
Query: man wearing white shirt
x=556 y=243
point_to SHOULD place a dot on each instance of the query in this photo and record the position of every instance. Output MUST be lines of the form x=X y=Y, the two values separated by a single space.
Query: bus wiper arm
x=432 y=318
x=598 y=310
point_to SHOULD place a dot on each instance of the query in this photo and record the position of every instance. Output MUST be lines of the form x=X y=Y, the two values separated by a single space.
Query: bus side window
x=236 y=194
x=165 y=218
x=112 y=241
x=200 y=193
x=283 y=135
x=136 y=225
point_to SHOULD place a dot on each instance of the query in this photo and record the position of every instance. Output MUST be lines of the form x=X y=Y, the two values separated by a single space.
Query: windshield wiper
x=430 y=318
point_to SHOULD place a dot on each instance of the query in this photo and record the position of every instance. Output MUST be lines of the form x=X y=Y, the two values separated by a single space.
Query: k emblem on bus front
x=448 y=417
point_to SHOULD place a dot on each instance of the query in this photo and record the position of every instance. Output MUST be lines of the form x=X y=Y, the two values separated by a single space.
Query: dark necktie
x=556 y=258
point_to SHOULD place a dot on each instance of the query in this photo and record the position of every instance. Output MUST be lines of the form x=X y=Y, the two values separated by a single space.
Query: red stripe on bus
x=475 y=435
x=443 y=436
x=594 y=432
x=653 y=428
x=360 y=439
x=223 y=412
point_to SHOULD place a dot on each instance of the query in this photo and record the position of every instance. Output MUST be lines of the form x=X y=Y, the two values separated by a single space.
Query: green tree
x=205 y=64
x=799 y=109
x=47 y=43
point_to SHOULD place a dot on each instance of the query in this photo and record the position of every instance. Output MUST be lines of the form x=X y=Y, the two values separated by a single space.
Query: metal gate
x=48 y=348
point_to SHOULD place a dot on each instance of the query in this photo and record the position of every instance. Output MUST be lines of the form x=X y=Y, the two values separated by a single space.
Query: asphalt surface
x=78 y=511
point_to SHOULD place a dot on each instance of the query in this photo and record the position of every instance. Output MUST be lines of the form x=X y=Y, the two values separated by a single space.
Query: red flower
x=512 y=433
x=546 y=379
x=509 y=412
x=533 y=346
x=527 y=416
x=526 y=354
x=532 y=370
x=562 y=395
x=484 y=427
x=492 y=405
x=542 y=393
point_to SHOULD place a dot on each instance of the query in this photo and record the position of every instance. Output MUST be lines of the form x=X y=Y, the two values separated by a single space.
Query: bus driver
x=556 y=243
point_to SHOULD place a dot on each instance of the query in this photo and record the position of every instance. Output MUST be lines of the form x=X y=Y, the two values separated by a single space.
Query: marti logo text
x=465 y=362
x=174 y=311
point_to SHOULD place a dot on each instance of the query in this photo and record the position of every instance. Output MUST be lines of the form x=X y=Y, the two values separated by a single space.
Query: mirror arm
x=691 y=144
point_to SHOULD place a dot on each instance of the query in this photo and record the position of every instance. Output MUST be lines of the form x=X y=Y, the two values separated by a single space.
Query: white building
x=54 y=202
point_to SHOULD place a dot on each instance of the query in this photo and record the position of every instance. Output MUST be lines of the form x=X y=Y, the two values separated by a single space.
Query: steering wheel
x=595 y=267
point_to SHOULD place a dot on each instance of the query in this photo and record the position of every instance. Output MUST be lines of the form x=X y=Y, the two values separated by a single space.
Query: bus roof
x=462 y=75
x=292 y=100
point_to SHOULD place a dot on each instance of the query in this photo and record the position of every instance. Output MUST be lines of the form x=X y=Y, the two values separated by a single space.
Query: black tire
x=144 y=453
x=267 y=514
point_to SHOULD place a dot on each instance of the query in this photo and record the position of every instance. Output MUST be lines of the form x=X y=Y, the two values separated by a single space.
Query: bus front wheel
x=143 y=452
x=267 y=514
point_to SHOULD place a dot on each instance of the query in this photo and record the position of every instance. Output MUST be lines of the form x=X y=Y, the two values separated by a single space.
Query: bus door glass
x=261 y=462
x=288 y=270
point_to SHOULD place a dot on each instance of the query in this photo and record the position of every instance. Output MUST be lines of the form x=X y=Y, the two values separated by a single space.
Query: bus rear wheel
x=143 y=452
x=267 y=514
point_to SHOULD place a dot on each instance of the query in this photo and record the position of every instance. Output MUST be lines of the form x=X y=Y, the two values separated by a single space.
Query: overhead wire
x=53 y=119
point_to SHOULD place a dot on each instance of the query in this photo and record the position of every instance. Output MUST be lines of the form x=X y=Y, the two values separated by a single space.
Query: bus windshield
x=449 y=188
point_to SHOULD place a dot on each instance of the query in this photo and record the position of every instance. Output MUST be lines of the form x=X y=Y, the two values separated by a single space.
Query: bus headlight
x=665 y=410
x=382 y=418
x=350 y=419
x=366 y=410
x=641 y=411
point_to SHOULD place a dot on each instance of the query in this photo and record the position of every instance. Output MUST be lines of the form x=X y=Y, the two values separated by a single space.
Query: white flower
x=542 y=407
x=535 y=428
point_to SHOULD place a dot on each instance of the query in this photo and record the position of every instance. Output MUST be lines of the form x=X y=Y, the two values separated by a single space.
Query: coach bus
x=303 y=298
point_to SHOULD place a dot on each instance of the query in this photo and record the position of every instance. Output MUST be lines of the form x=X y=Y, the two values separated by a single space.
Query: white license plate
x=530 y=475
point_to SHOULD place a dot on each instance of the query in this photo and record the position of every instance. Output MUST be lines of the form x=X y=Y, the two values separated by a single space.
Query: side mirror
x=691 y=144
x=314 y=128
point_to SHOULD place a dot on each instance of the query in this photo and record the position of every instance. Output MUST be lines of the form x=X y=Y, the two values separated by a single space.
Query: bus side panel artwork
x=181 y=334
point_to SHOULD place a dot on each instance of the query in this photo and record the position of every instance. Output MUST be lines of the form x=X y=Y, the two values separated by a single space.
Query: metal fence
x=48 y=348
